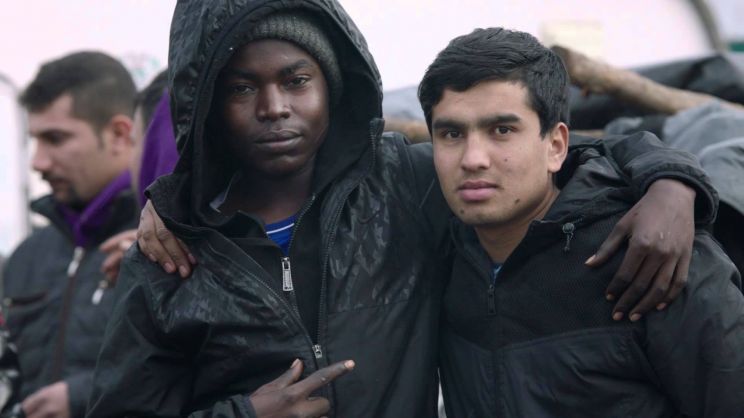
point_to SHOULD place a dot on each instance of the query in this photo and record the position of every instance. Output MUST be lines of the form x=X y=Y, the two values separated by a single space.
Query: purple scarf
x=87 y=223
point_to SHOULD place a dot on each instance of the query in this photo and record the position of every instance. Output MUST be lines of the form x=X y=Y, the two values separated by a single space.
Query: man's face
x=493 y=166
x=274 y=103
x=69 y=155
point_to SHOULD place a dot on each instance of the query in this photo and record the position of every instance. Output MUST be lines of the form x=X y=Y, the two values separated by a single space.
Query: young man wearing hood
x=56 y=299
x=318 y=238
x=524 y=333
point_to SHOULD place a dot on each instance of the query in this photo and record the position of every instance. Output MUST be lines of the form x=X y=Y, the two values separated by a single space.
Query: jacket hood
x=203 y=36
x=159 y=154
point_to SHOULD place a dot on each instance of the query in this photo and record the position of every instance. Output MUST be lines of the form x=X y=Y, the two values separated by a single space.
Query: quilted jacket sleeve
x=643 y=159
x=138 y=374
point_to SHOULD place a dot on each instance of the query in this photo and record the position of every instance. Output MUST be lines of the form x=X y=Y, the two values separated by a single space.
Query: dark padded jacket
x=49 y=285
x=539 y=341
x=371 y=238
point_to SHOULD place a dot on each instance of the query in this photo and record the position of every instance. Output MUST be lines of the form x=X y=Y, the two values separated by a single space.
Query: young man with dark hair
x=525 y=334
x=319 y=239
x=56 y=299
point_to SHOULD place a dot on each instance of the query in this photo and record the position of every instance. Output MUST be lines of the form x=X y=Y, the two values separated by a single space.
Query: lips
x=277 y=136
x=473 y=191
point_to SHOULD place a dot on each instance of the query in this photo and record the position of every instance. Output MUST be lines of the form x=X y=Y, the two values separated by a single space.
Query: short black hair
x=147 y=99
x=100 y=86
x=500 y=54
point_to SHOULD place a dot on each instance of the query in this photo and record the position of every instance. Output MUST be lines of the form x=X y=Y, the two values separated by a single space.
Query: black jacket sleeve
x=696 y=346
x=138 y=374
x=643 y=159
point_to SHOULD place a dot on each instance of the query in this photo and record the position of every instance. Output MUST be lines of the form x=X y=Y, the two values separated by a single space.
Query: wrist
x=677 y=188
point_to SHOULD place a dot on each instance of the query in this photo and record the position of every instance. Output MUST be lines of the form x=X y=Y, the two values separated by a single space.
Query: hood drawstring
x=568 y=229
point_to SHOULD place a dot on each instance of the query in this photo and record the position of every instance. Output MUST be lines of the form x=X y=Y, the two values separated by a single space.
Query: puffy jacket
x=539 y=341
x=55 y=305
x=372 y=238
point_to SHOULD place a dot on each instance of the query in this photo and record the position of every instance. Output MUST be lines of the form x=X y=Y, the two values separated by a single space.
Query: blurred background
x=403 y=35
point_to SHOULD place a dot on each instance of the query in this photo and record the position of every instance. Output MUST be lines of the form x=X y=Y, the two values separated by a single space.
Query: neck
x=500 y=240
x=270 y=199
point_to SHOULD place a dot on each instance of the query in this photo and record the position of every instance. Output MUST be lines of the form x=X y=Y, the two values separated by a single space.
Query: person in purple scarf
x=154 y=155
x=56 y=300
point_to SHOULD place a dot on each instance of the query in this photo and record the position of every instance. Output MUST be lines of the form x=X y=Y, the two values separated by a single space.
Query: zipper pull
x=286 y=275
x=568 y=229
x=318 y=351
x=491 y=299
x=98 y=294
x=77 y=256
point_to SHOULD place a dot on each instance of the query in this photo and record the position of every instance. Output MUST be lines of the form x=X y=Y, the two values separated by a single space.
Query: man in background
x=56 y=298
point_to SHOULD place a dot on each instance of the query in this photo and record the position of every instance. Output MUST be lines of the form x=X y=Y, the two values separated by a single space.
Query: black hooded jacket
x=370 y=245
x=53 y=316
x=539 y=341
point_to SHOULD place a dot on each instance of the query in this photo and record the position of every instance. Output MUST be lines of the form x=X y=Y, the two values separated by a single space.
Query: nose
x=475 y=155
x=41 y=160
x=271 y=104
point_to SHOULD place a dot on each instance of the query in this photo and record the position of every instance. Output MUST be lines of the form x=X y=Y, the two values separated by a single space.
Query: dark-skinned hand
x=287 y=396
x=162 y=247
x=659 y=230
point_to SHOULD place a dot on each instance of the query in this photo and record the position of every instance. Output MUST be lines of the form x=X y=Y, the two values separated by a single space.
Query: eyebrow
x=447 y=123
x=288 y=70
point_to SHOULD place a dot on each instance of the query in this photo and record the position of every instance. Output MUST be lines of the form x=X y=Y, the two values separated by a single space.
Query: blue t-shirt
x=281 y=232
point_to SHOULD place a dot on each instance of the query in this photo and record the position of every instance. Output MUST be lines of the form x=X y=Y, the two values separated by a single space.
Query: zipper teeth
x=72 y=269
x=293 y=300
x=295 y=317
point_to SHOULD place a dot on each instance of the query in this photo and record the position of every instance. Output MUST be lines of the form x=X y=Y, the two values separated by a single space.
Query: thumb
x=610 y=245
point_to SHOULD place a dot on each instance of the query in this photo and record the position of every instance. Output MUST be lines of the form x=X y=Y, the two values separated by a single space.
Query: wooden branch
x=597 y=77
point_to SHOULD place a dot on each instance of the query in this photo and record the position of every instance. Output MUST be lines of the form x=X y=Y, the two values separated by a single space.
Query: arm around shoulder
x=643 y=159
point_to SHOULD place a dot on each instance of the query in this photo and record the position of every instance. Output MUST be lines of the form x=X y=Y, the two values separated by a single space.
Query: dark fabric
x=51 y=317
x=540 y=342
x=718 y=75
x=159 y=154
x=176 y=348
x=370 y=249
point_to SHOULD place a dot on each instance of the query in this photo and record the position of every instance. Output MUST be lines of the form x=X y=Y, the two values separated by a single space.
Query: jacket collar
x=99 y=217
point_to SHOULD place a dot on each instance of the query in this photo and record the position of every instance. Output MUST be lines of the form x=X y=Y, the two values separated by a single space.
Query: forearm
x=643 y=159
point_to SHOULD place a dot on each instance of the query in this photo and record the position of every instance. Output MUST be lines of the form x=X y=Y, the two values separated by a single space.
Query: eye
x=502 y=130
x=450 y=134
x=240 y=89
x=297 y=81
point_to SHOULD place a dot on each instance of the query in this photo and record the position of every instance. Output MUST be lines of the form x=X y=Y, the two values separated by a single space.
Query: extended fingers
x=324 y=376
x=657 y=293
x=150 y=244
x=611 y=244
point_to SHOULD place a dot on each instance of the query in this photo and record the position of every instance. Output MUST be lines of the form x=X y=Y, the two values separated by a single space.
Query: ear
x=557 y=146
x=117 y=134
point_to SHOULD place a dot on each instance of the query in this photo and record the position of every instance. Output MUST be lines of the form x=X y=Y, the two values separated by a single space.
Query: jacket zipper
x=59 y=351
x=287 y=284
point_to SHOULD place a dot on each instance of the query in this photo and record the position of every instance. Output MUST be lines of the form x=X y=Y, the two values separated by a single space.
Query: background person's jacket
x=368 y=260
x=57 y=301
x=539 y=341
